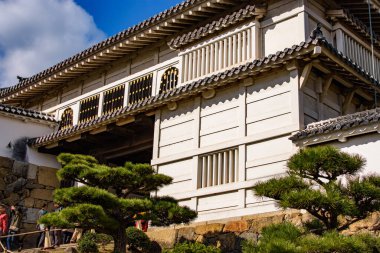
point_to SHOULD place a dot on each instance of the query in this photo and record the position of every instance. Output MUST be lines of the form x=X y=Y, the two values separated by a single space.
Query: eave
x=339 y=129
x=150 y=31
x=306 y=52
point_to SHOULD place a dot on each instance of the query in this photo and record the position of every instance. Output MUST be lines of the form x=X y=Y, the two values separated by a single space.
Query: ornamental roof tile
x=26 y=113
x=338 y=124
x=201 y=85
x=213 y=26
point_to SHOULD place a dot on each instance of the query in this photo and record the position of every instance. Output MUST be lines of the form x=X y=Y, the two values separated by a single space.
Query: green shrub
x=286 y=238
x=137 y=239
x=87 y=244
x=190 y=247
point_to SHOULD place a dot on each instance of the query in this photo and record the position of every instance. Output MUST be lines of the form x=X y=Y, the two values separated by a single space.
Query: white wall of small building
x=254 y=117
x=13 y=129
x=368 y=146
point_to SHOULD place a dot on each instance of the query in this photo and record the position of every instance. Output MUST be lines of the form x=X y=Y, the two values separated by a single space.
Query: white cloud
x=36 y=34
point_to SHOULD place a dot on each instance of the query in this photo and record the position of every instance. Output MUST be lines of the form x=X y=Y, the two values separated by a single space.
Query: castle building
x=217 y=94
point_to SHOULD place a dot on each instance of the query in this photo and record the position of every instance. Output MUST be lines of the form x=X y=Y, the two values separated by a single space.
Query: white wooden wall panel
x=176 y=148
x=218 y=137
x=186 y=202
x=224 y=99
x=219 y=121
x=251 y=198
x=218 y=201
x=270 y=123
x=176 y=133
x=266 y=170
x=267 y=151
x=181 y=173
x=219 y=117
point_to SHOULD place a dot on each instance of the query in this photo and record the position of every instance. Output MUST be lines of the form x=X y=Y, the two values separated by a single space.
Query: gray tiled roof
x=26 y=113
x=201 y=85
x=338 y=124
x=213 y=26
x=102 y=45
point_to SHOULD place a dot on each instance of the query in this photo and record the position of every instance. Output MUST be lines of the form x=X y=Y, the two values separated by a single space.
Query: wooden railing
x=113 y=99
x=219 y=168
x=169 y=80
x=88 y=109
x=229 y=49
x=359 y=51
x=140 y=89
x=66 y=119
x=110 y=98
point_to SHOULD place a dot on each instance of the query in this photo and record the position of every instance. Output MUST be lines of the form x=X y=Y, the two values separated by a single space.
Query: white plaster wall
x=283 y=26
x=367 y=146
x=13 y=129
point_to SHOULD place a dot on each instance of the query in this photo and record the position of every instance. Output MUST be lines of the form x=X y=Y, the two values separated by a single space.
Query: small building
x=217 y=94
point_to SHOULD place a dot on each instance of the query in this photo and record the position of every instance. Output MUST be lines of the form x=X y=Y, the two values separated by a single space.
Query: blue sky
x=113 y=16
x=36 y=34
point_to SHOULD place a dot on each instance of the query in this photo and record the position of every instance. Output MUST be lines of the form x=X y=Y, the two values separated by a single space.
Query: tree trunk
x=120 y=241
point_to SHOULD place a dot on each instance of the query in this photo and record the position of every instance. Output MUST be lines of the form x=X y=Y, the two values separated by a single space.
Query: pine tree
x=325 y=182
x=112 y=198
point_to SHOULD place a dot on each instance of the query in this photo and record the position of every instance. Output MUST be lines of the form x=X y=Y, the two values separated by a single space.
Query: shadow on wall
x=19 y=148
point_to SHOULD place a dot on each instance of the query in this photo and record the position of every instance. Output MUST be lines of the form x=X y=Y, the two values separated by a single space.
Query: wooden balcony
x=358 y=50
x=124 y=92
x=219 y=53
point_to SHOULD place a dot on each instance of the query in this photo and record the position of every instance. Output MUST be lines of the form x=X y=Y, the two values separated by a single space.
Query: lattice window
x=113 y=99
x=89 y=108
x=169 y=80
x=66 y=119
x=219 y=168
x=140 y=89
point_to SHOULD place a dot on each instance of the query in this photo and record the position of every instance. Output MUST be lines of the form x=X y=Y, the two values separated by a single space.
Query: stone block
x=29 y=202
x=42 y=194
x=236 y=226
x=16 y=186
x=31 y=185
x=31 y=215
x=27 y=227
x=38 y=203
x=20 y=169
x=6 y=163
x=249 y=236
x=166 y=238
x=32 y=171
x=47 y=176
x=71 y=250
x=2 y=184
x=12 y=199
x=186 y=234
x=226 y=242
x=8 y=179
x=209 y=228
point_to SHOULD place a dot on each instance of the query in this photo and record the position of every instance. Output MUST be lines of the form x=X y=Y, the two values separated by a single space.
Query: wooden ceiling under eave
x=359 y=8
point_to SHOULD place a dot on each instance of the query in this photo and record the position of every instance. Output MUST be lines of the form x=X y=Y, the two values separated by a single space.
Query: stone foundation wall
x=229 y=234
x=29 y=186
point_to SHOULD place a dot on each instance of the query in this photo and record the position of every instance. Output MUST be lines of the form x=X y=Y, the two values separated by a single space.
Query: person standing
x=41 y=227
x=3 y=222
x=56 y=233
x=14 y=228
